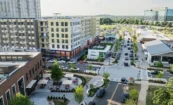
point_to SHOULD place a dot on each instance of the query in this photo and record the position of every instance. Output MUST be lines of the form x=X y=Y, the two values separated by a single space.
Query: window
x=62 y=41
x=53 y=46
x=62 y=23
x=41 y=23
x=51 y=23
x=52 y=34
x=63 y=46
x=13 y=89
x=52 y=30
x=9 y=58
x=66 y=41
x=62 y=35
x=57 y=46
x=35 y=67
x=19 y=58
x=41 y=28
x=57 y=29
x=66 y=24
x=1 y=101
x=40 y=62
x=3 y=58
x=66 y=46
x=66 y=29
x=33 y=70
x=8 y=95
x=62 y=29
x=57 y=24
x=57 y=35
x=26 y=76
x=66 y=35
x=38 y=65
x=14 y=58
x=57 y=40
x=30 y=74
x=52 y=40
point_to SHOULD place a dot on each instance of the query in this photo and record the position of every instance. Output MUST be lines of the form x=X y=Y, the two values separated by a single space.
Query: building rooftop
x=157 y=47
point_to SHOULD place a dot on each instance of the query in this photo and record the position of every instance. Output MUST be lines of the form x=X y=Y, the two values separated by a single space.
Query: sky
x=97 y=7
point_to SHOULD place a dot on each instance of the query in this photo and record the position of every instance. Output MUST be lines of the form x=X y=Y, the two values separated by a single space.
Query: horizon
x=101 y=7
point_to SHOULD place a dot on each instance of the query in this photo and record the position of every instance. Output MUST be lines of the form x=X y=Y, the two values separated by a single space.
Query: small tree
x=170 y=83
x=20 y=99
x=90 y=67
x=99 y=58
x=56 y=73
x=134 y=94
x=79 y=94
x=171 y=67
x=91 y=86
x=72 y=66
x=106 y=75
x=130 y=102
x=160 y=75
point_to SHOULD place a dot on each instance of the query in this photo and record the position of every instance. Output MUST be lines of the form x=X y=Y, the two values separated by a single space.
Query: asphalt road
x=114 y=91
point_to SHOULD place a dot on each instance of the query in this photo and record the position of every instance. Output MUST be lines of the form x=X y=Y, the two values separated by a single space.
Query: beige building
x=66 y=37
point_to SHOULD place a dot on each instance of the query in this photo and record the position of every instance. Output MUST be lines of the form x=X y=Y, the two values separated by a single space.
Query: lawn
x=59 y=103
x=135 y=86
x=150 y=93
x=87 y=79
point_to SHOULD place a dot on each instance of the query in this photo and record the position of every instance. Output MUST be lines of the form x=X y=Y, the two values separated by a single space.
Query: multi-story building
x=66 y=37
x=158 y=14
x=19 y=72
x=20 y=9
x=18 y=34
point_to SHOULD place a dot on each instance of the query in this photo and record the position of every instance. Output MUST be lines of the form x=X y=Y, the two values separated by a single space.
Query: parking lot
x=114 y=92
x=166 y=75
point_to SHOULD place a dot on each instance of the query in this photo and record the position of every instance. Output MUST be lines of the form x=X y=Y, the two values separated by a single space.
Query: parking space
x=166 y=74
x=113 y=95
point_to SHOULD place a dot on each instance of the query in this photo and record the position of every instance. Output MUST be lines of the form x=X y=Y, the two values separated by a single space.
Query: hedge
x=82 y=78
x=157 y=81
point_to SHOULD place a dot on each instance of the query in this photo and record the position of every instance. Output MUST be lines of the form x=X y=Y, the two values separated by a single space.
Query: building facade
x=18 y=35
x=18 y=69
x=158 y=14
x=66 y=37
x=20 y=9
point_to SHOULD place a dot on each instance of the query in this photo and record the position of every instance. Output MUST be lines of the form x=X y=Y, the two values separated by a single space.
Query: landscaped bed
x=94 y=90
x=135 y=86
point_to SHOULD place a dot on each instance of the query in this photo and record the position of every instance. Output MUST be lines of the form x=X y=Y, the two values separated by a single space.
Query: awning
x=69 y=75
x=46 y=75
x=66 y=82
x=43 y=81
x=31 y=84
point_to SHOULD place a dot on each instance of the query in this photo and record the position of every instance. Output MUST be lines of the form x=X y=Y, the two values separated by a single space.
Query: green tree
x=134 y=94
x=20 y=99
x=121 y=38
x=161 y=97
x=91 y=86
x=72 y=65
x=159 y=75
x=130 y=102
x=90 y=67
x=99 y=58
x=171 y=67
x=56 y=73
x=170 y=83
x=79 y=94
x=106 y=75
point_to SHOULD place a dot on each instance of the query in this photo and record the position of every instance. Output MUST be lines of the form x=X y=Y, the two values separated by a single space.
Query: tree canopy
x=106 y=75
x=56 y=73
x=79 y=94
x=20 y=99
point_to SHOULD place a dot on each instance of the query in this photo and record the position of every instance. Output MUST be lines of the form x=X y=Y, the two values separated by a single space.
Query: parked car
x=100 y=92
x=124 y=45
x=126 y=54
x=125 y=97
x=126 y=58
x=124 y=80
x=129 y=48
x=155 y=72
x=91 y=103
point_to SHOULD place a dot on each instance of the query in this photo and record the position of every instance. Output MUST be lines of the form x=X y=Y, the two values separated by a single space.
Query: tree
x=171 y=67
x=91 y=86
x=106 y=75
x=56 y=73
x=72 y=66
x=159 y=75
x=134 y=94
x=170 y=83
x=20 y=99
x=99 y=58
x=79 y=94
x=161 y=97
x=130 y=102
x=90 y=67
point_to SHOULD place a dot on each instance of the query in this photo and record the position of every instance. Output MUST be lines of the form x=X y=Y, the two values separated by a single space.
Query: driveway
x=113 y=95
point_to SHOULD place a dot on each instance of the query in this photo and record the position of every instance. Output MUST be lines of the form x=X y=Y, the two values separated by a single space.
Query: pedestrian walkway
x=143 y=91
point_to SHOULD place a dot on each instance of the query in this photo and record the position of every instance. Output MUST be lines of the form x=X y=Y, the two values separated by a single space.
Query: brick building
x=17 y=71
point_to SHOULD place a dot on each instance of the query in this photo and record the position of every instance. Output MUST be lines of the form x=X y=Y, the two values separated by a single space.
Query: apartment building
x=18 y=35
x=19 y=72
x=66 y=37
x=20 y=9
x=158 y=14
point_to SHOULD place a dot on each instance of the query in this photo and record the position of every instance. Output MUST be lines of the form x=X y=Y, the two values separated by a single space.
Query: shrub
x=83 y=80
x=157 y=81
x=91 y=86
x=132 y=63
x=158 y=64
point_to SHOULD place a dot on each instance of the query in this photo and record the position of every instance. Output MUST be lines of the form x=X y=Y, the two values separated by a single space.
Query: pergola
x=69 y=75
x=43 y=81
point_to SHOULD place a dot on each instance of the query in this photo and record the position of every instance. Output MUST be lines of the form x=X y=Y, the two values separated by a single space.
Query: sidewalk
x=143 y=91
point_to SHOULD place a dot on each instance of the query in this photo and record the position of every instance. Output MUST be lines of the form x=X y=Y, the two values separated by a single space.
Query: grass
x=59 y=103
x=150 y=94
x=87 y=79
x=135 y=86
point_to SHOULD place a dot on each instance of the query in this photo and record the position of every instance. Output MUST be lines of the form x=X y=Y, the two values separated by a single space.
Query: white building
x=20 y=9
x=98 y=50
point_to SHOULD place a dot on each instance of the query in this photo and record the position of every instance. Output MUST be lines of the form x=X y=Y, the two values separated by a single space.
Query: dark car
x=131 y=55
x=100 y=92
x=126 y=58
x=124 y=80
x=155 y=72
x=129 y=48
x=124 y=45
x=125 y=97
x=91 y=103
x=131 y=51
x=126 y=54
x=128 y=42
x=126 y=64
